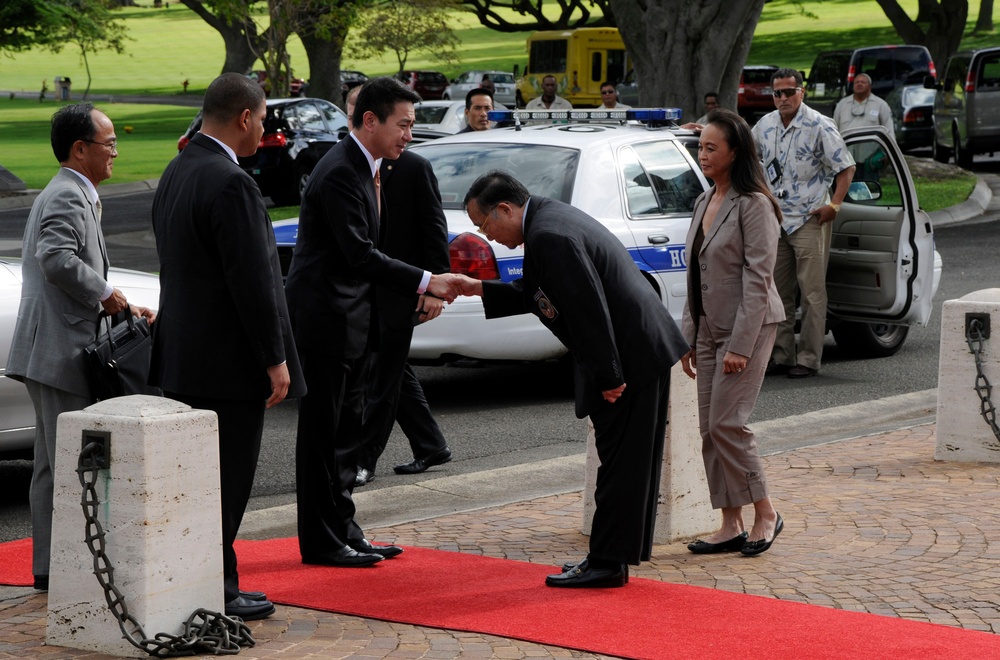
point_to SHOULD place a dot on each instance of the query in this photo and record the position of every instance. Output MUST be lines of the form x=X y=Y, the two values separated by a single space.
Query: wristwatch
x=835 y=207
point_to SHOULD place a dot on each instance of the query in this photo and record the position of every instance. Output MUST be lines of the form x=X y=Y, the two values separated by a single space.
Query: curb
x=971 y=208
x=24 y=199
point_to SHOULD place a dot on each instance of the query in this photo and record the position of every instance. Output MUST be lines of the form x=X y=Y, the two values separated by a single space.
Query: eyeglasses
x=607 y=91
x=787 y=93
x=482 y=228
x=113 y=145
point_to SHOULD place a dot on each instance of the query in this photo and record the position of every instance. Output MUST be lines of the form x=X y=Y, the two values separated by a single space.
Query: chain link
x=974 y=336
x=205 y=631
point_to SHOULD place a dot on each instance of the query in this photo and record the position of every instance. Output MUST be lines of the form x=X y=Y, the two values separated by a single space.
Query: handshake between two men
x=445 y=288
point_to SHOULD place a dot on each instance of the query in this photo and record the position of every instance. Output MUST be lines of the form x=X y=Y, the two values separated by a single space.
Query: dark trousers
x=241 y=424
x=629 y=438
x=326 y=451
x=395 y=394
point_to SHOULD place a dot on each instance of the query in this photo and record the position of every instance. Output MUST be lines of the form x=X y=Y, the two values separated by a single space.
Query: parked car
x=628 y=90
x=428 y=84
x=831 y=77
x=967 y=106
x=351 y=79
x=641 y=183
x=297 y=133
x=435 y=119
x=17 y=415
x=504 y=86
x=754 y=94
x=296 y=88
x=912 y=115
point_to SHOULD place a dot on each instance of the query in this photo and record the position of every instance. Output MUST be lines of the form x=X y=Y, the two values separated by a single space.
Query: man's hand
x=451 y=285
x=280 y=380
x=429 y=307
x=115 y=303
x=613 y=395
x=143 y=312
x=824 y=214
x=689 y=364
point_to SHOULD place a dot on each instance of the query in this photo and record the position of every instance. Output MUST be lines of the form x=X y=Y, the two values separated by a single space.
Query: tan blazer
x=737 y=269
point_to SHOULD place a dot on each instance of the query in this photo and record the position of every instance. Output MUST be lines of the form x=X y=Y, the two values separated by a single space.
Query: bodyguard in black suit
x=331 y=296
x=416 y=232
x=223 y=339
x=579 y=280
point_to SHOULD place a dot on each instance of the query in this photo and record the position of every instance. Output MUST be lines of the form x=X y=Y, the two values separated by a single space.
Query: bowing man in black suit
x=579 y=280
x=223 y=341
x=331 y=296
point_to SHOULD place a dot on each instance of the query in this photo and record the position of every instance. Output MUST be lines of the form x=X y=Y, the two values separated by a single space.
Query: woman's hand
x=688 y=363
x=733 y=363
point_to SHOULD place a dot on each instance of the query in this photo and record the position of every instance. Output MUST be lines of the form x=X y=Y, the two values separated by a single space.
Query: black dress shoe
x=41 y=582
x=345 y=557
x=364 y=476
x=751 y=548
x=385 y=551
x=569 y=566
x=584 y=577
x=734 y=544
x=249 y=610
x=253 y=595
x=801 y=371
x=775 y=369
x=418 y=465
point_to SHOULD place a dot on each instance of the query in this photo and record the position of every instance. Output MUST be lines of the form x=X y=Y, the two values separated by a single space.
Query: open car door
x=880 y=279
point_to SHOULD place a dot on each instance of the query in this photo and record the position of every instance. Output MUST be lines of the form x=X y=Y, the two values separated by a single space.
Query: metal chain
x=205 y=631
x=974 y=336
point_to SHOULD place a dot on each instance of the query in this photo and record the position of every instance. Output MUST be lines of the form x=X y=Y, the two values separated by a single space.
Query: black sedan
x=297 y=133
x=912 y=115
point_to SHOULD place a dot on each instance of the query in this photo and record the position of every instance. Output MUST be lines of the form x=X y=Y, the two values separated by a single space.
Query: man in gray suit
x=64 y=290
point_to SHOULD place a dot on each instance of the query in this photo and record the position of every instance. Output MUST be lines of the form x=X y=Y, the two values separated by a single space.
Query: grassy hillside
x=172 y=44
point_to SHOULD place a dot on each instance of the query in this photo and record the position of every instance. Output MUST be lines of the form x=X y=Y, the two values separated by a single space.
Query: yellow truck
x=580 y=60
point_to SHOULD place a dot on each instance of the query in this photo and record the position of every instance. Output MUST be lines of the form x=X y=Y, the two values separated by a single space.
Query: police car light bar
x=636 y=114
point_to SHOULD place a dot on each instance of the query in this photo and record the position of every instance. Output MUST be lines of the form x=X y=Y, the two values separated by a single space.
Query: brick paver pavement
x=871 y=524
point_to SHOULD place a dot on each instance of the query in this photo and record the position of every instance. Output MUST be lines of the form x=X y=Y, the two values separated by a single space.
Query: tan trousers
x=801 y=267
x=725 y=402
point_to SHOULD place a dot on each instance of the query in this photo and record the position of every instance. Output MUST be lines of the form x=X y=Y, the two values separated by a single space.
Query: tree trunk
x=324 y=65
x=682 y=49
x=242 y=41
x=985 y=21
x=944 y=30
x=925 y=10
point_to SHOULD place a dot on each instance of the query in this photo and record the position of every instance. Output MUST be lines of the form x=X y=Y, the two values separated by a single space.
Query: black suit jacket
x=415 y=231
x=222 y=319
x=337 y=257
x=580 y=281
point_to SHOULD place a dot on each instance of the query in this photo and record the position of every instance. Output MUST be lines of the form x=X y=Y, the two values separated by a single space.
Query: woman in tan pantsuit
x=730 y=321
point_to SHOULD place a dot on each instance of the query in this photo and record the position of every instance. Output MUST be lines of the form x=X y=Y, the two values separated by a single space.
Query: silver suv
x=967 y=106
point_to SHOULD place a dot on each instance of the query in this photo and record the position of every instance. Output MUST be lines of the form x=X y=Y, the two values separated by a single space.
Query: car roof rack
x=648 y=116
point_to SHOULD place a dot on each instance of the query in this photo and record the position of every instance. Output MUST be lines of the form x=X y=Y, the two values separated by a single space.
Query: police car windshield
x=545 y=170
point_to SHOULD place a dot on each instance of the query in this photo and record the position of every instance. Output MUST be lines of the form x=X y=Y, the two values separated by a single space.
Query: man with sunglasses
x=65 y=288
x=803 y=155
x=609 y=97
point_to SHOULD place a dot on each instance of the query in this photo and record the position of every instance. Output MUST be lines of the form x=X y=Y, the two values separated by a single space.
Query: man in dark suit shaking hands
x=225 y=343
x=579 y=280
x=331 y=296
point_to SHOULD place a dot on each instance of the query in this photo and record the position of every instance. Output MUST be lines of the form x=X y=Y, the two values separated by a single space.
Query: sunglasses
x=787 y=93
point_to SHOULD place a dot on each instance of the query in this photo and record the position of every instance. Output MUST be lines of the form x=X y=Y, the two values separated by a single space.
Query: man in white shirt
x=549 y=100
x=862 y=109
x=609 y=97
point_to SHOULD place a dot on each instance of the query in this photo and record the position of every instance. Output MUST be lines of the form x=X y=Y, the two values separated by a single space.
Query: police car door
x=882 y=253
x=661 y=184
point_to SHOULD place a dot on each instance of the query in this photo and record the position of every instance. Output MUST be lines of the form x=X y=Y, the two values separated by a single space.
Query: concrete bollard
x=962 y=433
x=684 y=509
x=159 y=505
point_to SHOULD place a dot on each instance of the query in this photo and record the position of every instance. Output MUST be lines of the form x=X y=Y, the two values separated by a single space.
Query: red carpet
x=646 y=619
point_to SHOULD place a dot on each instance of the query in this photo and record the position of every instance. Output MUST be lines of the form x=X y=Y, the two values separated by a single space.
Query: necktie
x=378 y=191
x=100 y=210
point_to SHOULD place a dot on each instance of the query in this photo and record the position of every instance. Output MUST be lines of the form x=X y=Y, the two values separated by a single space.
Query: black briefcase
x=118 y=360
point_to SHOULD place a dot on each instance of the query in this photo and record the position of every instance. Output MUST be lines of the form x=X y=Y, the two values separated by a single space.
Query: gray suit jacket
x=65 y=267
x=736 y=263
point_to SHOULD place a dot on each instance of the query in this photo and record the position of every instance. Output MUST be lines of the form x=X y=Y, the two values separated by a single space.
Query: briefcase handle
x=125 y=316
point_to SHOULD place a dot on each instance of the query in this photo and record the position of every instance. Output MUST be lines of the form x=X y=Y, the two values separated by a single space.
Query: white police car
x=641 y=181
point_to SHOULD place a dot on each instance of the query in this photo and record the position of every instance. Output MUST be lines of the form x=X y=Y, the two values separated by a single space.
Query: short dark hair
x=787 y=73
x=494 y=187
x=69 y=124
x=380 y=96
x=714 y=95
x=479 y=91
x=607 y=83
x=229 y=95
